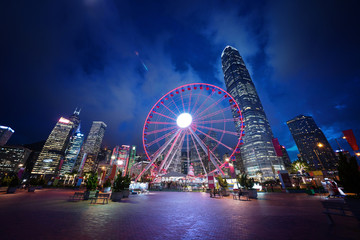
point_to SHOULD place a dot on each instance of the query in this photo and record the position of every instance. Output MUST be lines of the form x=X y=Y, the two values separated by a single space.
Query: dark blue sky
x=58 y=55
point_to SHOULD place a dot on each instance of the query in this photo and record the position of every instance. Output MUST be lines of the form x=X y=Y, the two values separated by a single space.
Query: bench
x=101 y=196
x=77 y=196
x=336 y=208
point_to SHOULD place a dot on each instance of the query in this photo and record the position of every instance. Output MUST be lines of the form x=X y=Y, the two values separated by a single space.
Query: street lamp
x=319 y=145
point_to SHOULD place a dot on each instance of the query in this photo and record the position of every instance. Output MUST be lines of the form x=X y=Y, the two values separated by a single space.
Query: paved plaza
x=46 y=214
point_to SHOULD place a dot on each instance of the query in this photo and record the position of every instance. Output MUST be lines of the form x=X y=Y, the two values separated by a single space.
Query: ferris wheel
x=201 y=121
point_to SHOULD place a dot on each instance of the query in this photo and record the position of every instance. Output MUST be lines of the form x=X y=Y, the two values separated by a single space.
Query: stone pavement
x=46 y=214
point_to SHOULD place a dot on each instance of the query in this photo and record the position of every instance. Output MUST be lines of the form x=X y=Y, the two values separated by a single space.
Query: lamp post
x=319 y=145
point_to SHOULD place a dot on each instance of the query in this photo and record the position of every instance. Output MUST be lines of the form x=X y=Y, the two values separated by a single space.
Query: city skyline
x=115 y=60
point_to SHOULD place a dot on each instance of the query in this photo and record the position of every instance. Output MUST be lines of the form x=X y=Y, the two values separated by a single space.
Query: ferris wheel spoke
x=197 y=100
x=169 y=109
x=174 y=152
x=182 y=101
x=213 y=114
x=218 y=130
x=158 y=153
x=170 y=150
x=175 y=105
x=218 y=121
x=207 y=98
x=189 y=101
x=211 y=106
x=197 y=151
x=215 y=140
x=160 y=130
x=160 y=114
x=164 y=123
x=160 y=138
x=211 y=155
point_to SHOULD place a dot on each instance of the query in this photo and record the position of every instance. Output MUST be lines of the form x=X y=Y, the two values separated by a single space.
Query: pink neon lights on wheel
x=186 y=121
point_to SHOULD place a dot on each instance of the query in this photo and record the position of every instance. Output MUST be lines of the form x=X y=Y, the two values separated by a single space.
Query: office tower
x=53 y=152
x=257 y=152
x=313 y=146
x=12 y=158
x=5 y=134
x=286 y=158
x=95 y=138
x=72 y=153
x=91 y=148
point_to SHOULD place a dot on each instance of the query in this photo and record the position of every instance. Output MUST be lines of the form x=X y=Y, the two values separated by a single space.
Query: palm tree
x=301 y=167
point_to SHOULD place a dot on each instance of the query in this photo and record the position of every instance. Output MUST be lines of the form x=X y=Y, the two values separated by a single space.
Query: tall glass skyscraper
x=72 y=153
x=313 y=146
x=54 y=149
x=88 y=156
x=257 y=152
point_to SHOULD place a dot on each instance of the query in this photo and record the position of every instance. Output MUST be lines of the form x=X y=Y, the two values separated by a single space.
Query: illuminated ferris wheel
x=199 y=120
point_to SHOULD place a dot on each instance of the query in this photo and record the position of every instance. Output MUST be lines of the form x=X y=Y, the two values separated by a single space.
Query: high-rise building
x=313 y=146
x=12 y=158
x=87 y=159
x=72 y=153
x=286 y=158
x=95 y=138
x=5 y=134
x=53 y=152
x=257 y=152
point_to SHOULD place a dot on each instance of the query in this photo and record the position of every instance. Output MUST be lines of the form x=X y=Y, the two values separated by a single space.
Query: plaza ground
x=47 y=214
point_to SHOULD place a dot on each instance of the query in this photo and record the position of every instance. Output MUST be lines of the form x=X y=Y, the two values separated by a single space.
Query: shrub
x=91 y=182
x=107 y=183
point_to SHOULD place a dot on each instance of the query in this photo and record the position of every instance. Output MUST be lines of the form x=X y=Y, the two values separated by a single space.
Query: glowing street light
x=320 y=145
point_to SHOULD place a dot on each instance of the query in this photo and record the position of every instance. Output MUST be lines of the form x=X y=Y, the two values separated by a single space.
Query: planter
x=354 y=205
x=116 y=196
x=225 y=192
x=31 y=189
x=252 y=193
x=126 y=193
x=89 y=194
x=11 y=190
x=107 y=189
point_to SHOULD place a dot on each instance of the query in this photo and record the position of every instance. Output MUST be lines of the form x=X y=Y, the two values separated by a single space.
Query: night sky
x=115 y=59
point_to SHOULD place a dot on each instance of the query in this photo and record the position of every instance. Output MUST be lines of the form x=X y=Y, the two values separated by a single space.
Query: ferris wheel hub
x=184 y=120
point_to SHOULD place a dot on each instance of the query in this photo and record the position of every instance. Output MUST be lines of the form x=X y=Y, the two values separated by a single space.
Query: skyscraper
x=95 y=138
x=257 y=152
x=5 y=134
x=72 y=153
x=88 y=154
x=53 y=151
x=313 y=146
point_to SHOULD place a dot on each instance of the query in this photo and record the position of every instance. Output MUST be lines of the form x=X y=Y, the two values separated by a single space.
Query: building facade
x=87 y=159
x=53 y=152
x=5 y=134
x=257 y=152
x=72 y=153
x=313 y=146
x=12 y=158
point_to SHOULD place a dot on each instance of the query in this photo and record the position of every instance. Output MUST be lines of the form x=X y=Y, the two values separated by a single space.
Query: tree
x=121 y=182
x=91 y=182
x=300 y=166
x=244 y=181
x=349 y=174
x=222 y=182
